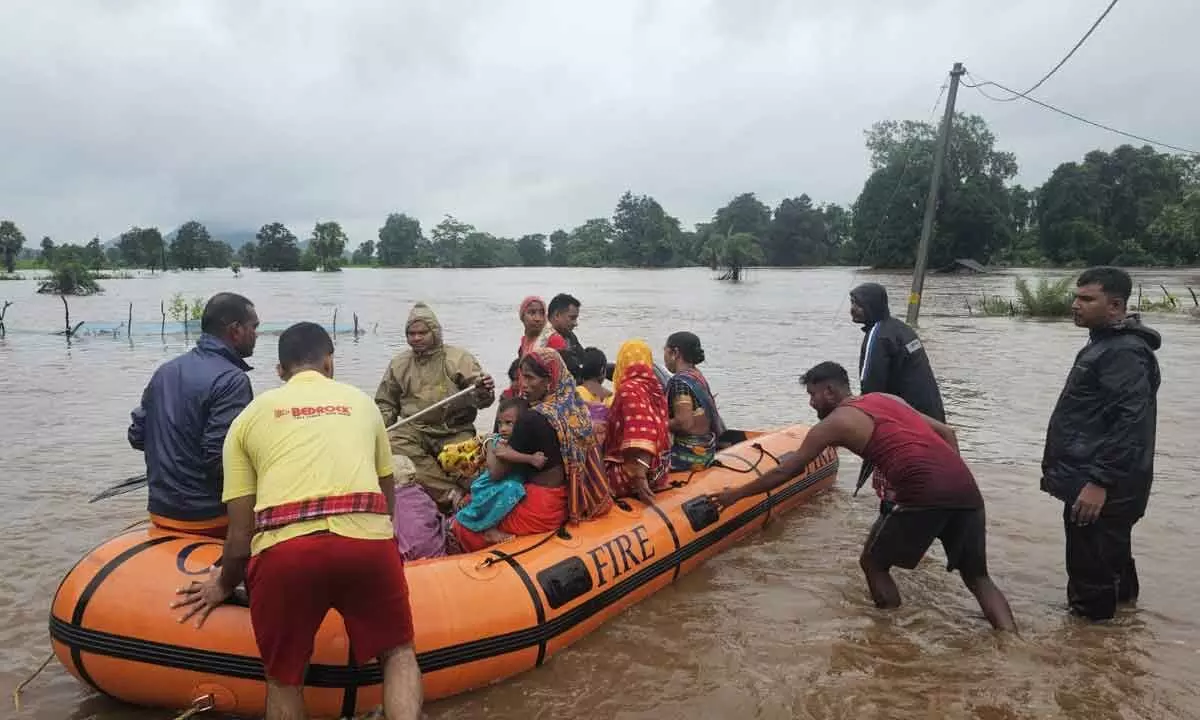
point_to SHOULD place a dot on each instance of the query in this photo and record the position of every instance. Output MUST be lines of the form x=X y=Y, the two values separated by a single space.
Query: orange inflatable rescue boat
x=479 y=618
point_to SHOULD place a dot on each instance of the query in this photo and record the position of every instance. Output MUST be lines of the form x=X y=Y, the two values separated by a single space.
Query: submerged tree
x=70 y=278
x=399 y=240
x=277 y=248
x=738 y=252
x=11 y=242
x=327 y=244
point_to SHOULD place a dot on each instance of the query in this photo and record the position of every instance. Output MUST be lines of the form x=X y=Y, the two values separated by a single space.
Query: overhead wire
x=1066 y=57
x=980 y=83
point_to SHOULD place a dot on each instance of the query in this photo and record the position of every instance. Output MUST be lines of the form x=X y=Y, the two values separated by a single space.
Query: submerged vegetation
x=1048 y=299
x=70 y=279
x=1053 y=298
x=184 y=312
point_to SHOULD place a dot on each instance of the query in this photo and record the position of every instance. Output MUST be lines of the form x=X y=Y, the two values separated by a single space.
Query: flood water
x=780 y=626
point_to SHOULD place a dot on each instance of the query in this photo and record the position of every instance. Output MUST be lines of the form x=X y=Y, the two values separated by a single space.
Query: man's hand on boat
x=726 y=498
x=202 y=597
x=791 y=465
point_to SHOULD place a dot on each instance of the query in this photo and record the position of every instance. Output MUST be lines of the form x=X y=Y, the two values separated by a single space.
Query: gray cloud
x=527 y=116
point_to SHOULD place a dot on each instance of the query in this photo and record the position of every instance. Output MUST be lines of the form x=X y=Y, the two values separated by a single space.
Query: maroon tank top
x=921 y=468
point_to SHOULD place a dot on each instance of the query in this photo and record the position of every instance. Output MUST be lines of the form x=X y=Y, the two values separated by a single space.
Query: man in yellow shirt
x=309 y=492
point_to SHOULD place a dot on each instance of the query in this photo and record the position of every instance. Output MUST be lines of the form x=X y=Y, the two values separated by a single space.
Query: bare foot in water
x=496 y=537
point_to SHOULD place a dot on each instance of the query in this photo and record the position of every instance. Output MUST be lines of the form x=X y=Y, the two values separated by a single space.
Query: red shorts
x=293 y=585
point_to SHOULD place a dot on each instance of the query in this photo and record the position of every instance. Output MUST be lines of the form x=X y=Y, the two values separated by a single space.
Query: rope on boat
x=202 y=704
x=134 y=524
x=561 y=532
x=753 y=466
x=760 y=448
x=16 y=696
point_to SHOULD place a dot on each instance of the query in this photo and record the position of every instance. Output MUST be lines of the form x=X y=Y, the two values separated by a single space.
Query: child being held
x=496 y=490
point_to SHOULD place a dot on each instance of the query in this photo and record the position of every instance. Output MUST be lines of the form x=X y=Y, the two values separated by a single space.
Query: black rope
x=765 y=451
x=684 y=483
x=560 y=533
x=762 y=452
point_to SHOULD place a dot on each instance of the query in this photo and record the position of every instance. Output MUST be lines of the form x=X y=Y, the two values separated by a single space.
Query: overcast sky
x=527 y=116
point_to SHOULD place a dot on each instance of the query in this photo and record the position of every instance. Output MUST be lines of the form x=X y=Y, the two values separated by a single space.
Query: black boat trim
x=80 y=639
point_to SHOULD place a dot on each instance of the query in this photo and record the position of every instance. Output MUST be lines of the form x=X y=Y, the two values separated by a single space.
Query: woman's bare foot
x=495 y=536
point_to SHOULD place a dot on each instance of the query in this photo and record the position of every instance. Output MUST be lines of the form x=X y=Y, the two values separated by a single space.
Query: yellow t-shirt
x=589 y=396
x=313 y=437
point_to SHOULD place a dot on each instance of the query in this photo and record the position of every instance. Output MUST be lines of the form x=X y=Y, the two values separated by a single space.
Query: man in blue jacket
x=186 y=411
x=1099 y=455
x=891 y=360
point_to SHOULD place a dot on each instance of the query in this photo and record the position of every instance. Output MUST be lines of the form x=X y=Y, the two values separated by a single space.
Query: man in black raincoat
x=892 y=360
x=1099 y=456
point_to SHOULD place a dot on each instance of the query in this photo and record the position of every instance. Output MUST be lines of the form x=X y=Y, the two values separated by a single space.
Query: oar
x=133 y=483
x=435 y=406
x=126 y=485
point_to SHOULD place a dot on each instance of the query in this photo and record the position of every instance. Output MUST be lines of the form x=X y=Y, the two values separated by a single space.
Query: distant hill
x=236 y=237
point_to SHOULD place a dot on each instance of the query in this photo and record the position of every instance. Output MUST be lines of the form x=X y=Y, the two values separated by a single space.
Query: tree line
x=1130 y=206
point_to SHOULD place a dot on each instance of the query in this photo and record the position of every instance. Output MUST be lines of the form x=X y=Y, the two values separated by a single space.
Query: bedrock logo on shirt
x=310 y=411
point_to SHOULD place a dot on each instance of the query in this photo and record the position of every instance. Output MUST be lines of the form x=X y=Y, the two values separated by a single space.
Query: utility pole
x=939 y=161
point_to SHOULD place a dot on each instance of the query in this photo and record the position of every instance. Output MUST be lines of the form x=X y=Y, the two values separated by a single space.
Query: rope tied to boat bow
x=202 y=704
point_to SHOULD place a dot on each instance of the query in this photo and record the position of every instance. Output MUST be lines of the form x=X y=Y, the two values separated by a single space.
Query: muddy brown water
x=780 y=626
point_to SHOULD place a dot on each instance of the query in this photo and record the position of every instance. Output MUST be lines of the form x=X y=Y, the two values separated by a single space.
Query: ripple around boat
x=479 y=617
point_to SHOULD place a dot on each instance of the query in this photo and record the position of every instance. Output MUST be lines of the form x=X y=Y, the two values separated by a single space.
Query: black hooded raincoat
x=892 y=358
x=1102 y=430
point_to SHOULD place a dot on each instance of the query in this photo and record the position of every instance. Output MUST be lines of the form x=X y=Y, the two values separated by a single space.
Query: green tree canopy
x=327 y=244
x=972 y=216
x=277 y=249
x=142 y=247
x=532 y=249
x=191 y=245
x=364 y=254
x=449 y=238
x=11 y=242
x=800 y=234
x=1101 y=210
x=590 y=244
x=559 y=242
x=399 y=240
x=645 y=235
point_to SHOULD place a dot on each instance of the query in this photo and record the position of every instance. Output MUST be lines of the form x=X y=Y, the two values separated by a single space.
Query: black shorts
x=902 y=536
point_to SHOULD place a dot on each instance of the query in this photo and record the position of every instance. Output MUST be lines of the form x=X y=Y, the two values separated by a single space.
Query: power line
x=904 y=166
x=1066 y=57
x=978 y=86
x=892 y=196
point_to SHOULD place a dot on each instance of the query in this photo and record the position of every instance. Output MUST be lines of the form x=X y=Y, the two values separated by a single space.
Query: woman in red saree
x=554 y=447
x=637 y=451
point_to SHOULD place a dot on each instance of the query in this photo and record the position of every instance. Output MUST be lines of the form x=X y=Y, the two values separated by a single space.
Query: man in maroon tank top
x=935 y=494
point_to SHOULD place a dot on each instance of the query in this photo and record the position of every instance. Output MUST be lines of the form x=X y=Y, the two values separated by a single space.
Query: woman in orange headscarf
x=637 y=450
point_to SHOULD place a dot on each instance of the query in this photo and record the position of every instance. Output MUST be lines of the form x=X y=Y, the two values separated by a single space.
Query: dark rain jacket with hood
x=180 y=427
x=1102 y=430
x=892 y=358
